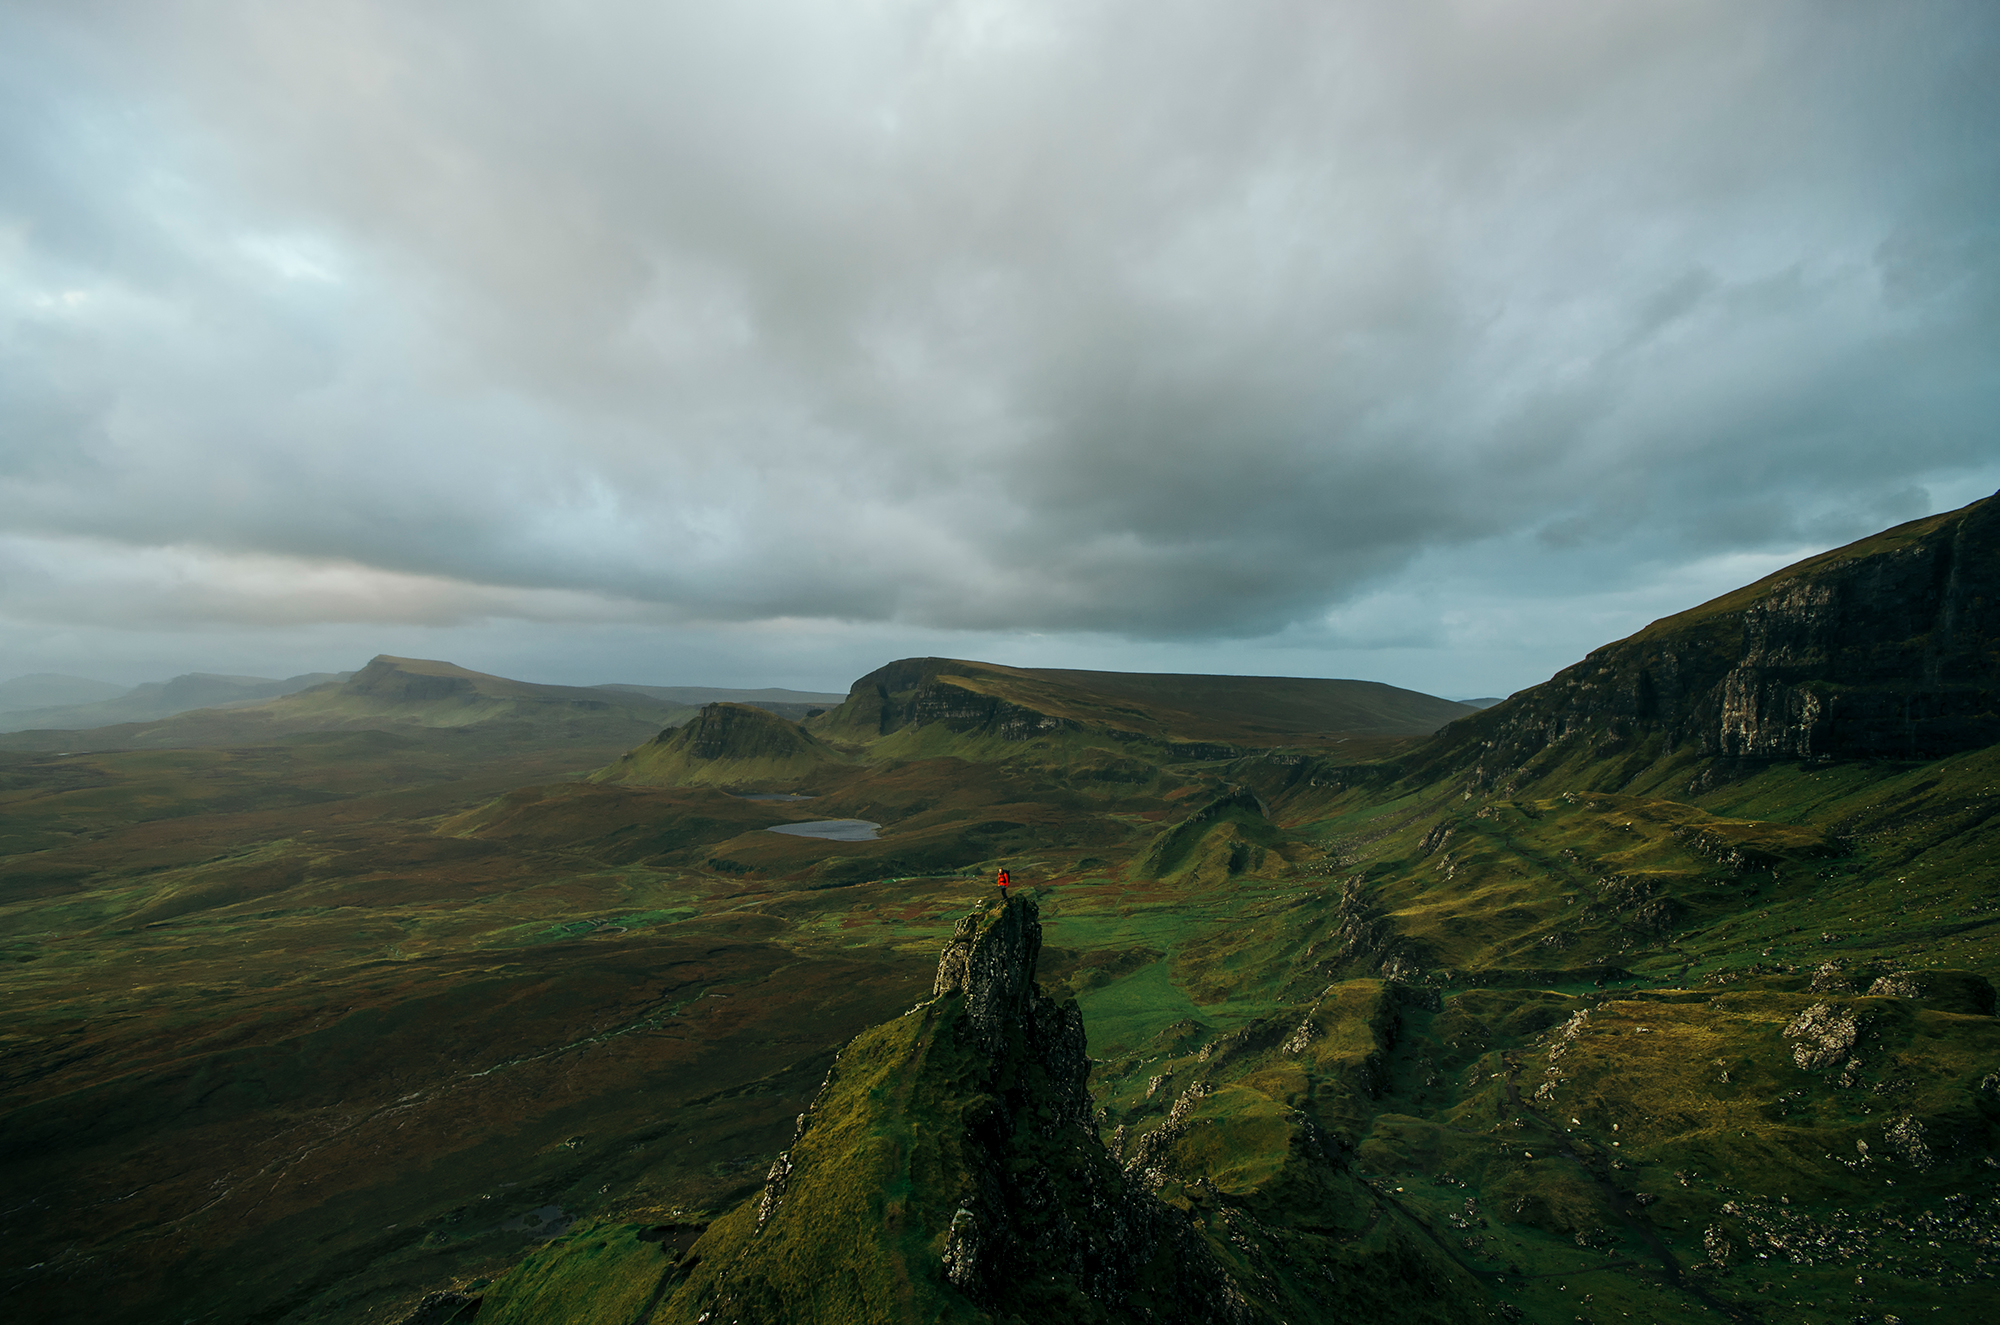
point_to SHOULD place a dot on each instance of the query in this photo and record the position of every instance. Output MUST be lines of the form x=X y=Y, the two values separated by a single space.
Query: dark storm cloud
x=1166 y=320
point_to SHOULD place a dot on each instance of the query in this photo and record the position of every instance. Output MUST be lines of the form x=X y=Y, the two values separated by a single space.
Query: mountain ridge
x=43 y=690
x=1166 y=708
x=1887 y=647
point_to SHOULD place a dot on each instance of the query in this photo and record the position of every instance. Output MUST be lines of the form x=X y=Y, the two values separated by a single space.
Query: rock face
x=950 y=1170
x=914 y=692
x=1886 y=648
x=1013 y=1224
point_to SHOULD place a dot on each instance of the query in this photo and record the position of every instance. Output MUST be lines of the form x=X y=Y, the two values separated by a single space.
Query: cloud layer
x=1167 y=322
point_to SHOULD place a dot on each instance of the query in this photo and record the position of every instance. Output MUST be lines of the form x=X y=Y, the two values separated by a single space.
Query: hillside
x=1887 y=648
x=40 y=690
x=388 y=693
x=987 y=700
x=162 y=699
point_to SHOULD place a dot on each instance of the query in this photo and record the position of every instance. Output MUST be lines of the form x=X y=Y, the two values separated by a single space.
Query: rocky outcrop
x=950 y=1169
x=962 y=710
x=1825 y=1035
x=1886 y=648
x=917 y=692
x=1107 y=1233
x=738 y=731
x=992 y=967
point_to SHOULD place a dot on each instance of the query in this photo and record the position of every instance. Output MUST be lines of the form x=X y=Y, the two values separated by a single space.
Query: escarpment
x=949 y=1169
x=1886 y=648
x=917 y=692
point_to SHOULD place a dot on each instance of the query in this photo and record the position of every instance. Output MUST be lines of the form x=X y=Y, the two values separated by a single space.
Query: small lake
x=773 y=796
x=833 y=830
x=547 y=1222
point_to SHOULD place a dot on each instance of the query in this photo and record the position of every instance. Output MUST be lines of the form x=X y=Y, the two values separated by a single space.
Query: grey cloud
x=1171 y=321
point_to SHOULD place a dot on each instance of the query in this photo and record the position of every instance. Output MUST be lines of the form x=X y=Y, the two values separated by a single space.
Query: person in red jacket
x=1003 y=881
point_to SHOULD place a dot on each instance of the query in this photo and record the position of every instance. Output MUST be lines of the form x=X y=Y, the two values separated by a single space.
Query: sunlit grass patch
x=1126 y=1014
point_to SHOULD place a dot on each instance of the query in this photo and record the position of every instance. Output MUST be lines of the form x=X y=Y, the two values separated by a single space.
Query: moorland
x=1661 y=991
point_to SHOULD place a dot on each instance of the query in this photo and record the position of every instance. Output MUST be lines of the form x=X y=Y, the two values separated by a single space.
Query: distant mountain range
x=48 y=702
x=1153 y=706
x=145 y=703
x=43 y=690
x=1109 y=729
x=388 y=693
x=969 y=699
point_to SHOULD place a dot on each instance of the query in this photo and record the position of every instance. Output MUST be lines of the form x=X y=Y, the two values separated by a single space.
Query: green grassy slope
x=1265 y=709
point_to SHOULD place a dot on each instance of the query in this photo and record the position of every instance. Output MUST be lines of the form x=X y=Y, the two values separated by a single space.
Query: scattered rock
x=1824 y=1036
x=1896 y=985
x=1906 y=1138
x=447 y=1307
x=961 y=1250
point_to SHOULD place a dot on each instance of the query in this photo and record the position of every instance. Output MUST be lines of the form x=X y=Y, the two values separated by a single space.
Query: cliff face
x=1886 y=648
x=949 y=1170
x=914 y=692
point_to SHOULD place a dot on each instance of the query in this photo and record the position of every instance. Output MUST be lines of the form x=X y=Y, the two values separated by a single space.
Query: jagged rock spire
x=990 y=958
x=974 y=1109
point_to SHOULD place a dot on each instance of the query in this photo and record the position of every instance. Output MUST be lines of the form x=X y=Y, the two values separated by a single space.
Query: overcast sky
x=1429 y=341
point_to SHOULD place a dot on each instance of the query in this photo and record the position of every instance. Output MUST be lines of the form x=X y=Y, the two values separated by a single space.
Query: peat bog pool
x=833 y=830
